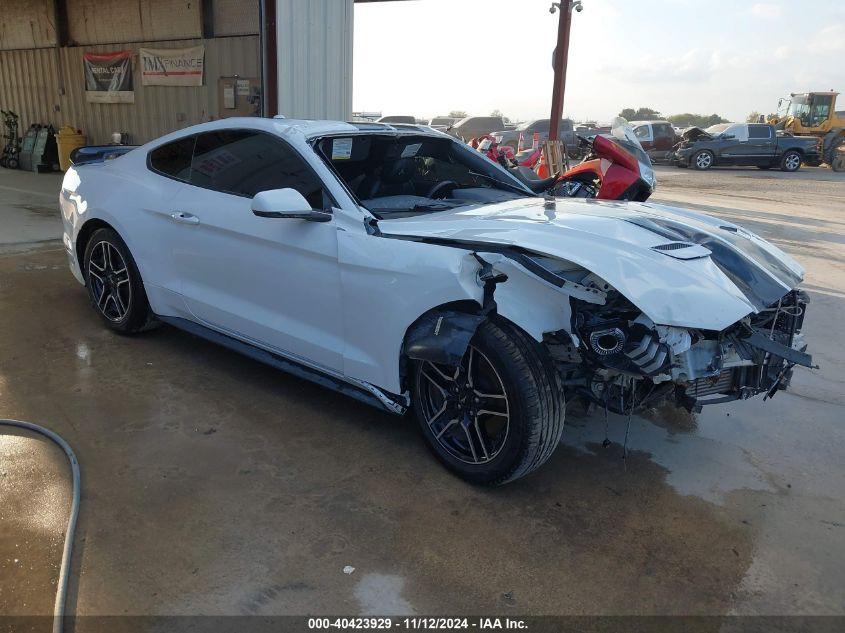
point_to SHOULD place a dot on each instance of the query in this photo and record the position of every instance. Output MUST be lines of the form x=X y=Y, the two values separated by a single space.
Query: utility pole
x=559 y=61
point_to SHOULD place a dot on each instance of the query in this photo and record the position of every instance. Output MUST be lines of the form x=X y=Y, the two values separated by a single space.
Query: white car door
x=271 y=281
x=170 y=165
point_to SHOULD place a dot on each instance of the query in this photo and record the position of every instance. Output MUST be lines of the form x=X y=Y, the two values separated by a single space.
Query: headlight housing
x=647 y=174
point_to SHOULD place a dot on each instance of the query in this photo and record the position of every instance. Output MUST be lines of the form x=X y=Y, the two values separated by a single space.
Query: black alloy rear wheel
x=114 y=284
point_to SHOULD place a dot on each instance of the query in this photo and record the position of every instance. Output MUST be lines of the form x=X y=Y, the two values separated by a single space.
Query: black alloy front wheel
x=496 y=416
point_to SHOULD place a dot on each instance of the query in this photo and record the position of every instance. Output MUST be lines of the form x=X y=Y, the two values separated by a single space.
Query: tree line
x=685 y=119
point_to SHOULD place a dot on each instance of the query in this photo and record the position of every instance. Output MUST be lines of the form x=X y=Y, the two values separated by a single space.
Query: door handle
x=184 y=218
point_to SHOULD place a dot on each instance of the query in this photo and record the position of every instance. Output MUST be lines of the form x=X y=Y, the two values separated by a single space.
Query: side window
x=641 y=131
x=244 y=162
x=565 y=125
x=759 y=131
x=173 y=159
x=661 y=130
x=540 y=126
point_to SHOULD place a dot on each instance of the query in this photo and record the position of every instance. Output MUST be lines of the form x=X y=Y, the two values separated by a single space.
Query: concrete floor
x=215 y=485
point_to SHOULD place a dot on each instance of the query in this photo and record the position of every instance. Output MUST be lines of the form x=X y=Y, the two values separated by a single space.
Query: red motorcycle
x=616 y=168
x=488 y=146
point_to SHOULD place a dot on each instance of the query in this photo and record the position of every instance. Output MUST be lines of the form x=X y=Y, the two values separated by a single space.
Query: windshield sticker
x=341 y=149
x=411 y=150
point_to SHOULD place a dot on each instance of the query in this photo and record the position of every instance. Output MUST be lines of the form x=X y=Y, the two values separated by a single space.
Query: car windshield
x=625 y=136
x=399 y=175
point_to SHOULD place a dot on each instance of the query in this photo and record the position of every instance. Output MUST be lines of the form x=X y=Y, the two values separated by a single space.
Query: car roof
x=307 y=128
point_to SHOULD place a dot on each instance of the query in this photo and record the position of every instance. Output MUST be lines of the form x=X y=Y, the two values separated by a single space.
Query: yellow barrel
x=68 y=139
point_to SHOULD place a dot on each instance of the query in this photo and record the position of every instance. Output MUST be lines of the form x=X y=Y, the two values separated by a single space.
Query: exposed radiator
x=712 y=384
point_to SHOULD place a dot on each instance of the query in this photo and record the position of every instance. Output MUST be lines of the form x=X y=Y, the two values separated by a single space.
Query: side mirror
x=286 y=203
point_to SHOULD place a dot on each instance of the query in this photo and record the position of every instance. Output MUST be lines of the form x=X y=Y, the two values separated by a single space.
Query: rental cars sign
x=108 y=77
x=172 y=66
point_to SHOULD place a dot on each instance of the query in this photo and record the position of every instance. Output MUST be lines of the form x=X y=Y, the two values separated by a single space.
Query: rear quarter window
x=173 y=159
x=759 y=131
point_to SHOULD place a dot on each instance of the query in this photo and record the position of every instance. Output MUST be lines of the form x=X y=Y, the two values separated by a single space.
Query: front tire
x=114 y=284
x=702 y=160
x=499 y=414
x=790 y=161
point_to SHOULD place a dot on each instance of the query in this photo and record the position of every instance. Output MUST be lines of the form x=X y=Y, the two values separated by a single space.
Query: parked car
x=442 y=123
x=472 y=127
x=405 y=269
x=588 y=131
x=541 y=126
x=746 y=144
x=398 y=118
x=658 y=138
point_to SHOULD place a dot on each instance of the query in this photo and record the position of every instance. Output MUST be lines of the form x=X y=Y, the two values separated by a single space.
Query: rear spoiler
x=98 y=153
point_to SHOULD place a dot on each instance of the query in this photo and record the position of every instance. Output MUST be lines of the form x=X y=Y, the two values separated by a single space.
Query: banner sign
x=108 y=77
x=172 y=66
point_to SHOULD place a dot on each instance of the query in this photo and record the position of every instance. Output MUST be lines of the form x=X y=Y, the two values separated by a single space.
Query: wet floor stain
x=381 y=594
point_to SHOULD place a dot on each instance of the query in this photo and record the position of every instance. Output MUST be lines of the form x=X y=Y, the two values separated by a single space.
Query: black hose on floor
x=64 y=571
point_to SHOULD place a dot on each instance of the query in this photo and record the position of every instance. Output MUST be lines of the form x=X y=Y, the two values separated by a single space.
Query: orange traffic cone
x=521 y=145
x=542 y=170
x=536 y=141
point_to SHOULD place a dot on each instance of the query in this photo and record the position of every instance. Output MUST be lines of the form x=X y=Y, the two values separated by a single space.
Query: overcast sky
x=426 y=57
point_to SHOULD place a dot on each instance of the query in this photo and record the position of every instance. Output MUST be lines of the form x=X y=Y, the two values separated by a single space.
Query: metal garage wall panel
x=31 y=84
x=106 y=21
x=315 y=58
x=27 y=84
x=235 y=17
x=27 y=24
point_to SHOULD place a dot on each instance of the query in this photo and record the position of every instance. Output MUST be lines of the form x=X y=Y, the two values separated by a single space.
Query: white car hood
x=727 y=274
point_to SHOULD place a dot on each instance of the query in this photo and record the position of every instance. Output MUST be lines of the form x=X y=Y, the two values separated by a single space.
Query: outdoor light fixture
x=577 y=5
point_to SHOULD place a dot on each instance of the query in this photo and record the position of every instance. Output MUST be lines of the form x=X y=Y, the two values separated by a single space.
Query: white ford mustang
x=405 y=269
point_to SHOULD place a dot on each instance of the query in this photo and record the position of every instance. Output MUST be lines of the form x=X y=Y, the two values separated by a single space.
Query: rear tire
x=790 y=161
x=503 y=425
x=114 y=284
x=702 y=160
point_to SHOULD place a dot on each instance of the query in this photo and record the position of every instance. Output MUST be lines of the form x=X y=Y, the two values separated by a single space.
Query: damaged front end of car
x=671 y=306
x=617 y=358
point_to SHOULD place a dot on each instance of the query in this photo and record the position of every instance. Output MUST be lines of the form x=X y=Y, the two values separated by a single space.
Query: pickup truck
x=658 y=138
x=745 y=144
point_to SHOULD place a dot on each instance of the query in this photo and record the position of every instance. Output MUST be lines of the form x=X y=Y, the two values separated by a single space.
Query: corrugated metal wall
x=315 y=58
x=26 y=24
x=47 y=86
x=106 y=21
x=235 y=17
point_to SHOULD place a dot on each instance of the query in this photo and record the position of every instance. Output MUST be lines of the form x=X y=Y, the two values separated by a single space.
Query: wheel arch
x=84 y=236
x=442 y=333
x=419 y=341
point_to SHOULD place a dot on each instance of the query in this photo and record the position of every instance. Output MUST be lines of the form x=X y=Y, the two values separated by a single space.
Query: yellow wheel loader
x=813 y=114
